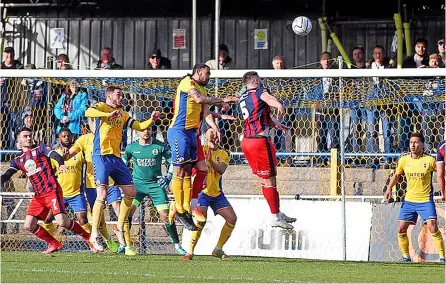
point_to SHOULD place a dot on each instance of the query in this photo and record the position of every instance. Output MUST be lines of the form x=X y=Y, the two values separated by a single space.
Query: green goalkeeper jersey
x=147 y=160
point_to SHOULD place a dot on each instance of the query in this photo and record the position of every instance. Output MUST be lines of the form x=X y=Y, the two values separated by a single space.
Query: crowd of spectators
x=366 y=124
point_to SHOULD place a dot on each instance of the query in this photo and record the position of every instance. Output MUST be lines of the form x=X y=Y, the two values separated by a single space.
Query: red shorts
x=200 y=153
x=261 y=155
x=41 y=205
x=200 y=157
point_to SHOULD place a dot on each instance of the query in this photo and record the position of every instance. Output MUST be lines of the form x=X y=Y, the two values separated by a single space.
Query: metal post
x=217 y=30
x=341 y=144
x=194 y=32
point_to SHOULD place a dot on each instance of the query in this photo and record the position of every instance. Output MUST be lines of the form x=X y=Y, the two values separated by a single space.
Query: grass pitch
x=101 y=268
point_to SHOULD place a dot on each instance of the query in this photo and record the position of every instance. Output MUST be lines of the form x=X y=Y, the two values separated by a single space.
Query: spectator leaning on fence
x=442 y=56
x=224 y=60
x=359 y=57
x=63 y=62
x=107 y=61
x=420 y=57
x=70 y=109
x=278 y=62
x=8 y=59
x=156 y=61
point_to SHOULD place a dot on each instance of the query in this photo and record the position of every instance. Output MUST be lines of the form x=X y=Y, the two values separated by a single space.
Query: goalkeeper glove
x=164 y=181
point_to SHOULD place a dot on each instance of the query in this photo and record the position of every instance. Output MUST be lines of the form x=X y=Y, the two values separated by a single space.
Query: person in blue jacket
x=70 y=109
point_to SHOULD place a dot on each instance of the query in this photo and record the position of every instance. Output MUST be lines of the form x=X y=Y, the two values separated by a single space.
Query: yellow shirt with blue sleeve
x=418 y=173
x=187 y=112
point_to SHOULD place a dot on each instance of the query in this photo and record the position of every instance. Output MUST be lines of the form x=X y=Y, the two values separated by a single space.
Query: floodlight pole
x=194 y=32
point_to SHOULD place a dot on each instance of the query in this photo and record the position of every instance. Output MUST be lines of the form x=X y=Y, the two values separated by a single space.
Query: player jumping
x=191 y=103
x=255 y=105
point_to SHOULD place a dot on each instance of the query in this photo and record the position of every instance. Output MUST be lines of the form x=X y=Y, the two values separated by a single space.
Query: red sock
x=197 y=186
x=272 y=197
x=76 y=228
x=43 y=234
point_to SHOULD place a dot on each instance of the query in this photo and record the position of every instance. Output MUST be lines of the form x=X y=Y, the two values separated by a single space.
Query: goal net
x=347 y=130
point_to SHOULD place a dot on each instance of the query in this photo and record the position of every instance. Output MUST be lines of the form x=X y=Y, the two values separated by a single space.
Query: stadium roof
x=341 y=9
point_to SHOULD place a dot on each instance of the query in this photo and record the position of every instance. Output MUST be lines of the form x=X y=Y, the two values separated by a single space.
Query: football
x=302 y=26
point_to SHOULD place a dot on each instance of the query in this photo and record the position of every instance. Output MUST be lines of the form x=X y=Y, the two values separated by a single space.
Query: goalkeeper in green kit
x=146 y=156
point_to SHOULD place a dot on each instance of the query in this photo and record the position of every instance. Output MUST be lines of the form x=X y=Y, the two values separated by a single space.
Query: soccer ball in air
x=302 y=26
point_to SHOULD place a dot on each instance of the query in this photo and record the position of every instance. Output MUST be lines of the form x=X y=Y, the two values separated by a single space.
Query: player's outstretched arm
x=140 y=126
x=95 y=113
x=393 y=181
x=209 y=118
x=440 y=179
x=273 y=102
x=223 y=116
x=200 y=99
x=7 y=175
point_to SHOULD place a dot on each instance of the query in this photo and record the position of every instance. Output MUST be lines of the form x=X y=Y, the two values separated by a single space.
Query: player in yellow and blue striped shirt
x=418 y=168
x=191 y=105
x=110 y=121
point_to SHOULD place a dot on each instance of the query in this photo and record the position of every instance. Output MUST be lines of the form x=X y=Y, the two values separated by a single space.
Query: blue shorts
x=113 y=195
x=215 y=202
x=183 y=145
x=106 y=166
x=410 y=210
x=78 y=203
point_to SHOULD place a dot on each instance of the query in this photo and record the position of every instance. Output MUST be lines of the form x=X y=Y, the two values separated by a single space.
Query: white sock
x=177 y=246
x=275 y=217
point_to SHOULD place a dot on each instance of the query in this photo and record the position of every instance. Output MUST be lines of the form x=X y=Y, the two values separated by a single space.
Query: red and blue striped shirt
x=256 y=113
x=36 y=164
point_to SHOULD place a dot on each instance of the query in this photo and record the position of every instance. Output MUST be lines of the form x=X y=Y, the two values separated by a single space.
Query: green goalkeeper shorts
x=154 y=192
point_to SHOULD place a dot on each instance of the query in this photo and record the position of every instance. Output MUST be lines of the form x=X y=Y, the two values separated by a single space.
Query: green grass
x=84 y=267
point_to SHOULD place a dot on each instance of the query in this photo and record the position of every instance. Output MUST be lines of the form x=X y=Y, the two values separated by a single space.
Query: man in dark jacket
x=107 y=61
x=420 y=58
x=156 y=61
x=8 y=59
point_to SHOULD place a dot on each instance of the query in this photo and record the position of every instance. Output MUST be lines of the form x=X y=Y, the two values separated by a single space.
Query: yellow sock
x=195 y=236
x=86 y=227
x=226 y=232
x=128 y=239
x=49 y=227
x=187 y=189
x=98 y=211
x=103 y=227
x=178 y=194
x=403 y=241
x=124 y=211
x=438 y=241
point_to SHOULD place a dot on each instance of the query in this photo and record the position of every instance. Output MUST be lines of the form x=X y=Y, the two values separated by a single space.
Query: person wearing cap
x=157 y=62
x=70 y=109
x=441 y=55
x=107 y=61
x=224 y=60
x=8 y=59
